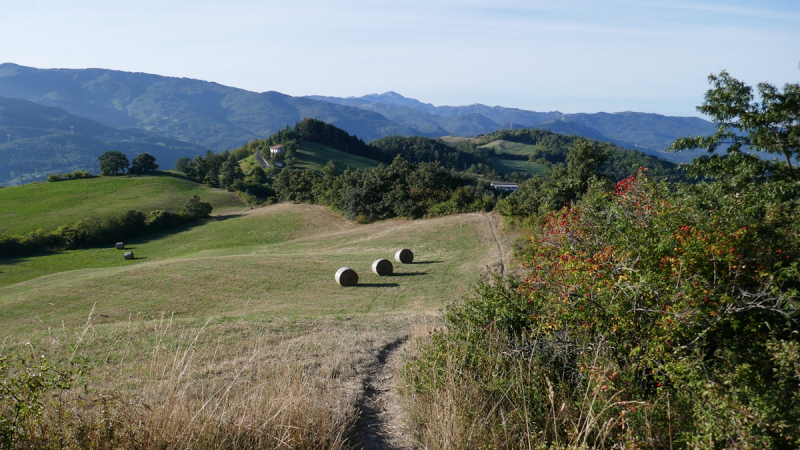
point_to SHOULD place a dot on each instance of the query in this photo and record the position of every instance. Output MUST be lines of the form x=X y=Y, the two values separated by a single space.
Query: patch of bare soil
x=382 y=421
x=490 y=218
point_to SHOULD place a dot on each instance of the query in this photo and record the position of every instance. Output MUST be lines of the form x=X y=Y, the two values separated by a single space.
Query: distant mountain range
x=92 y=110
x=651 y=133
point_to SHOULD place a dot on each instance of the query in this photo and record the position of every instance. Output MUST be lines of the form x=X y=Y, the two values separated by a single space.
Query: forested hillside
x=40 y=140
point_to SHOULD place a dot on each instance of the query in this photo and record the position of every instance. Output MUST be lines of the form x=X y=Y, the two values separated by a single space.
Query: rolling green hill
x=314 y=156
x=284 y=255
x=49 y=205
x=532 y=150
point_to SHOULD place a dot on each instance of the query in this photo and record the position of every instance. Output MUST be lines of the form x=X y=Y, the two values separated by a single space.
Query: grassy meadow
x=49 y=205
x=503 y=165
x=314 y=156
x=232 y=332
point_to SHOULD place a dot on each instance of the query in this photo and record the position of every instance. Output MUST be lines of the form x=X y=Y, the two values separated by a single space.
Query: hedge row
x=92 y=232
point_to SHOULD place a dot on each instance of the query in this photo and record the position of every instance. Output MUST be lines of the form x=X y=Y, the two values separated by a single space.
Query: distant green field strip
x=314 y=156
x=516 y=148
x=232 y=233
x=49 y=205
x=514 y=165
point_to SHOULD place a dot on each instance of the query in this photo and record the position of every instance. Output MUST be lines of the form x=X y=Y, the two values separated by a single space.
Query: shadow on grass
x=130 y=243
x=377 y=285
x=224 y=217
x=14 y=260
x=408 y=274
x=425 y=262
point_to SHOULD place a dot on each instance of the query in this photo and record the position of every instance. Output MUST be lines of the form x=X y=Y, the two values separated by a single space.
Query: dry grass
x=463 y=407
x=229 y=345
x=167 y=384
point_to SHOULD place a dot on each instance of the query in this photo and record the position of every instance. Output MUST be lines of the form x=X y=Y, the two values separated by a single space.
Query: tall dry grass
x=165 y=384
x=454 y=404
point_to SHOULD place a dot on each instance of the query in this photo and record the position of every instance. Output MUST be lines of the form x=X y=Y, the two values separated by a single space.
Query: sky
x=568 y=55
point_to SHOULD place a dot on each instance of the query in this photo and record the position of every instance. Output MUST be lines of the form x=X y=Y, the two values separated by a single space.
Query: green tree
x=143 y=163
x=197 y=209
x=230 y=173
x=769 y=123
x=182 y=164
x=113 y=162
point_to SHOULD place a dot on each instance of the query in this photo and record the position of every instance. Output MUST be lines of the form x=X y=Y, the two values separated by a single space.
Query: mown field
x=49 y=205
x=314 y=156
x=234 y=329
x=503 y=165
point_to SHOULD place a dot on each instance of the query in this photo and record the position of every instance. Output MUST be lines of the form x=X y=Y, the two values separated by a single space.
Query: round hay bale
x=382 y=267
x=404 y=256
x=346 y=277
x=120 y=246
x=128 y=255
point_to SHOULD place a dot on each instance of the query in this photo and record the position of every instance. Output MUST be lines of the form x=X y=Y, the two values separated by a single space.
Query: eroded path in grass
x=382 y=422
x=500 y=254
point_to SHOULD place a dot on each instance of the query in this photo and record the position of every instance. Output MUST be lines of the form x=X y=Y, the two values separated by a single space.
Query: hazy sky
x=567 y=55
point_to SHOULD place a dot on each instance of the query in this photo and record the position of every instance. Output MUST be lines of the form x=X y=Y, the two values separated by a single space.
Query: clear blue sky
x=571 y=56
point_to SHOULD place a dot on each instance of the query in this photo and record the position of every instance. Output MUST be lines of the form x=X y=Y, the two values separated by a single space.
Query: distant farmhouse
x=505 y=186
x=275 y=150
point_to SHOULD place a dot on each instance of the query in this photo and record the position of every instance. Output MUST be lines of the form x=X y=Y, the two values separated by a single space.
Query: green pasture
x=273 y=262
x=502 y=165
x=314 y=156
x=49 y=205
x=514 y=148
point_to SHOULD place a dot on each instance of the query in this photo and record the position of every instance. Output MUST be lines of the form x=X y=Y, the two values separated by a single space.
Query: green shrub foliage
x=27 y=386
x=97 y=231
x=76 y=175
x=401 y=189
x=667 y=312
x=142 y=164
x=197 y=209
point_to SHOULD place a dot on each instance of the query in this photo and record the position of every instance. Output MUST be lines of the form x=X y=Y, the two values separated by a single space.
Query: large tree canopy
x=113 y=162
x=143 y=163
x=769 y=122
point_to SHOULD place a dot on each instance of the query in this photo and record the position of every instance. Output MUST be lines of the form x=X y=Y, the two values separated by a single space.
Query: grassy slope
x=514 y=165
x=272 y=262
x=312 y=155
x=238 y=320
x=49 y=205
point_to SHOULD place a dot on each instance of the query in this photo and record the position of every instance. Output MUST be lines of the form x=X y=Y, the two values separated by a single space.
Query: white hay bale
x=346 y=277
x=128 y=255
x=120 y=246
x=382 y=267
x=404 y=256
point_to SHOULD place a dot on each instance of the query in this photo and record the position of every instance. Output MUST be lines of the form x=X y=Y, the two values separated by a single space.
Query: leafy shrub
x=26 y=387
x=76 y=175
x=653 y=315
x=197 y=209
x=92 y=232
